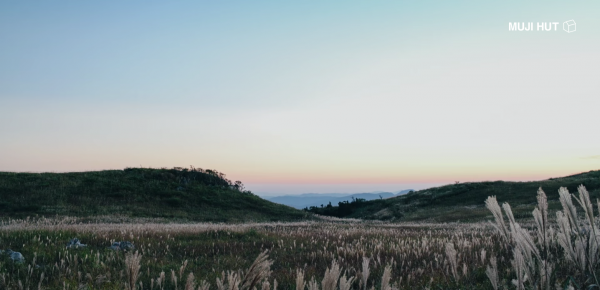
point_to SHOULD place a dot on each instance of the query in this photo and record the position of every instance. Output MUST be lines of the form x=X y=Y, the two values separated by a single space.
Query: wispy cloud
x=597 y=157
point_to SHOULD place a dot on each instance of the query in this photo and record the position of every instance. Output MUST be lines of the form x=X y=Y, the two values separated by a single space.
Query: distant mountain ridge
x=307 y=200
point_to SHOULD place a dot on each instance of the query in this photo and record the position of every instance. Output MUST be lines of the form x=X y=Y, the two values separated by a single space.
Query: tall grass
x=546 y=251
x=313 y=255
x=549 y=257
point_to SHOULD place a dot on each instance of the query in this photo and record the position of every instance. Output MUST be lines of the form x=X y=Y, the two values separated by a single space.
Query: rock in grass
x=75 y=243
x=15 y=256
x=126 y=246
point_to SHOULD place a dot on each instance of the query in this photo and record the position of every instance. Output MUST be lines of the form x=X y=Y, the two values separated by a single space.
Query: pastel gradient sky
x=302 y=96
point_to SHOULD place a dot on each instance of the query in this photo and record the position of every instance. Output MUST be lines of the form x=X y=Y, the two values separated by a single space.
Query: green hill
x=188 y=194
x=463 y=201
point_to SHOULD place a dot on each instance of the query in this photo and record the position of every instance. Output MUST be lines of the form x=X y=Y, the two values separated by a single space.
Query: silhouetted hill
x=192 y=194
x=465 y=201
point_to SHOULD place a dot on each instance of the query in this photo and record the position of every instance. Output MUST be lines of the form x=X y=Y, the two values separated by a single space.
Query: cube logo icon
x=569 y=26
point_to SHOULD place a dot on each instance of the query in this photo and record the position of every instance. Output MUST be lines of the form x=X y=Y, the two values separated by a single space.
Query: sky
x=295 y=97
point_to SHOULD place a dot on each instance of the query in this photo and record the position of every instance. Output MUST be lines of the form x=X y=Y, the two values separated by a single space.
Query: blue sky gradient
x=391 y=94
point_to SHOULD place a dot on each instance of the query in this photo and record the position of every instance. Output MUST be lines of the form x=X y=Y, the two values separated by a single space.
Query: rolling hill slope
x=465 y=201
x=190 y=194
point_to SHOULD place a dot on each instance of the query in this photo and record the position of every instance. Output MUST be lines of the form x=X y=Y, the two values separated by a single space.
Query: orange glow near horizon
x=373 y=176
x=435 y=177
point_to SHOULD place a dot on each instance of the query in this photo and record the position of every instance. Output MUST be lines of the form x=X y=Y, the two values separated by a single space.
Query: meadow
x=550 y=251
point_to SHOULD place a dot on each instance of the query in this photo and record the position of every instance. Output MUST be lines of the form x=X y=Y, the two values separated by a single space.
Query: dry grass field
x=551 y=251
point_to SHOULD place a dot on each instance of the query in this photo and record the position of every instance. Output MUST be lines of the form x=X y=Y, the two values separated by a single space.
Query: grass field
x=331 y=254
x=415 y=251
x=541 y=243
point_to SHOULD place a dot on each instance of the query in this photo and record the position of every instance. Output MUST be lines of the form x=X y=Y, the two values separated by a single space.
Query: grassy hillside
x=192 y=194
x=464 y=201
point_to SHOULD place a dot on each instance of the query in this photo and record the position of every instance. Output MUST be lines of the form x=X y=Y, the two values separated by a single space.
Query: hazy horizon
x=271 y=190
